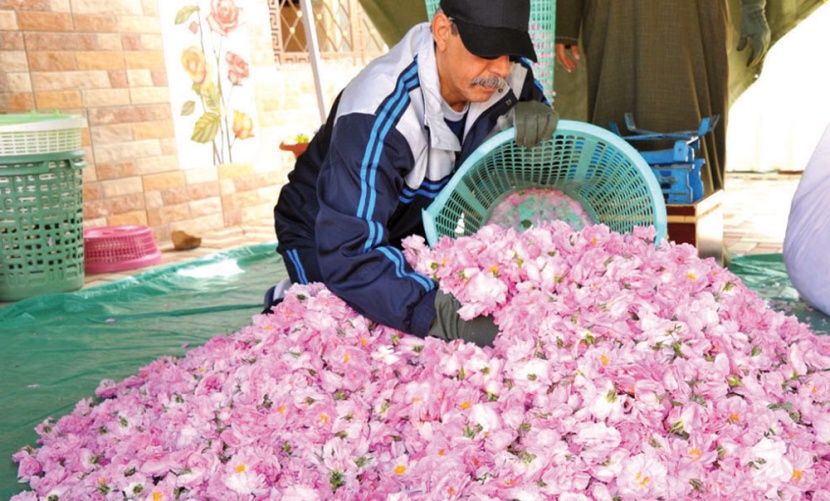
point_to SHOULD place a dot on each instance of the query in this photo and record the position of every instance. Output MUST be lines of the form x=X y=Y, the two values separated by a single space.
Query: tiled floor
x=226 y=239
x=755 y=217
x=756 y=208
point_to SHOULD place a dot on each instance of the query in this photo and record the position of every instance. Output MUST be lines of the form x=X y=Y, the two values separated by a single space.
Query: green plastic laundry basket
x=598 y=169
x=542 y=30
x=41 y=224
x=37 y=133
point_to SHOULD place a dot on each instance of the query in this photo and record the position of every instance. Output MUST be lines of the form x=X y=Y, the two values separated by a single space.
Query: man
x=665 y=61
x=393 y=139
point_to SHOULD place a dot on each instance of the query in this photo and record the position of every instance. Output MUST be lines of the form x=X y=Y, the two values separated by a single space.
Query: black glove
x=535 y=122
x=754 y=25
x=448 y=325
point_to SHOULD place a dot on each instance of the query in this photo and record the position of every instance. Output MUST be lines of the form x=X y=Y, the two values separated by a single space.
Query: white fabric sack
x=807 y=240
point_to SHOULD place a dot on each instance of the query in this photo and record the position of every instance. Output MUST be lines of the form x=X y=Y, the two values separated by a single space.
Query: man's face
x=464 y=76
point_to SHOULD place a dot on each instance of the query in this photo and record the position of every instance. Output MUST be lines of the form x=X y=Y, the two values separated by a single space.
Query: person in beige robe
x=664 y=61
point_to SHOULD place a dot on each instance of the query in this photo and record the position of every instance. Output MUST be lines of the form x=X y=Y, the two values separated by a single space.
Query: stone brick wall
x=104 y=60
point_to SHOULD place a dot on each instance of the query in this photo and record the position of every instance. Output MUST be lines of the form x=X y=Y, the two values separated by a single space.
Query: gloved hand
x=535 y=122
x=754 y=25
x=448 y=325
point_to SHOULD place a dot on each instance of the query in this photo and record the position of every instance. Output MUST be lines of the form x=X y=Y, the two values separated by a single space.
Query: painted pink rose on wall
x=237 y=68
x=216 y=71
x=224 y=16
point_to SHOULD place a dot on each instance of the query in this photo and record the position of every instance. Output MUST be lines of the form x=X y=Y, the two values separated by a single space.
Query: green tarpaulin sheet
x=57 y=348
x=767 y=275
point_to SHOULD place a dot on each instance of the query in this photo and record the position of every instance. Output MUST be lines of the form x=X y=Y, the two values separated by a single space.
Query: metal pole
x=314 y=53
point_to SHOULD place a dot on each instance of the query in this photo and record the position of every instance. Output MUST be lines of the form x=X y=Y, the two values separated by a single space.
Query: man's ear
x=441 y=30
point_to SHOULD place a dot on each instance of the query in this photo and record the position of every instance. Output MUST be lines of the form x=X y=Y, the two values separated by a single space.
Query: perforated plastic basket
x=39 y=133
x=118 y=248
x=542 y=29
x=598 y=169
x=41 y=224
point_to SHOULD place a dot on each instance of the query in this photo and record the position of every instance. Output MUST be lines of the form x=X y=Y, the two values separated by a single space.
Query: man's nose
x=501 y=66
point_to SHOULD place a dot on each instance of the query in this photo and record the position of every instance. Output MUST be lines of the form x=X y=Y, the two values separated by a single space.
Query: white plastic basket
x=39 y=133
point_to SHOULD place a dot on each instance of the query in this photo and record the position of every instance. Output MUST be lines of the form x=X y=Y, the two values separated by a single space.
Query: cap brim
x=490 y=42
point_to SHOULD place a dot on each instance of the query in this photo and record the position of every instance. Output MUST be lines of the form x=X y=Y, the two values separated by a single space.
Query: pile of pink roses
x=528 y=207
x=622 y=371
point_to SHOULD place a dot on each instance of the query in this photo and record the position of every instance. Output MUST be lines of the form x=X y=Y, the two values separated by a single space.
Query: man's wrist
x=424 y=315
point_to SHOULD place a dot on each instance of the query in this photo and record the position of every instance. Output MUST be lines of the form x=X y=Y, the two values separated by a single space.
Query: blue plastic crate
x=676 y=168
x=680 y=183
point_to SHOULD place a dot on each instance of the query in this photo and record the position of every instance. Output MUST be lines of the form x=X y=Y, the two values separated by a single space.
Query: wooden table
x=699 y=224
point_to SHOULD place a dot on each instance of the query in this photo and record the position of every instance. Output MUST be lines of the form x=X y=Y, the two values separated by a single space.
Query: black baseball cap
x=492 y=28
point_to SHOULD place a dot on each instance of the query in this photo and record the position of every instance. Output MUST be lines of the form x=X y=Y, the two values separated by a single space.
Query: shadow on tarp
x=58 y=347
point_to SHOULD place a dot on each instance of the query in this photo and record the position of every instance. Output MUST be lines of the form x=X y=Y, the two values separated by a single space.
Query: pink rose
x=29 y=464
x=223 y=17
x=237 y=68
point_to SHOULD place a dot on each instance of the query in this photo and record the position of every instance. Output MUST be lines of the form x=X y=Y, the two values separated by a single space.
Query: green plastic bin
x=41 y=224
x=37 y=133
x=593 y=166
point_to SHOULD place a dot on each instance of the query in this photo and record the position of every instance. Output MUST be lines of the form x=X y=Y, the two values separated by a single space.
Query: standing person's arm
x=568 y=25
x=754 y=27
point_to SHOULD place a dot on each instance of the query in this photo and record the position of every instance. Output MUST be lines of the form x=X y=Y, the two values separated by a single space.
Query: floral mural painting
x=212 y=99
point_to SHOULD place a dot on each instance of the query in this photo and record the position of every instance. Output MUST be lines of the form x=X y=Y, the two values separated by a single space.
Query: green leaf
x=206 y=128
x=337 y=480
x=676 y=428
x=188 y=108
x=210 y=93
x=185 y=13
x=734 y=381
x=654 y=443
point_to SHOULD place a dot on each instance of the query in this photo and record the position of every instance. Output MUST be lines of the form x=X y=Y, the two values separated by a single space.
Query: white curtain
x=776 y=123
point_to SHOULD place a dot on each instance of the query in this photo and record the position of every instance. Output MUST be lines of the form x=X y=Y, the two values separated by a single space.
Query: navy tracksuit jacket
x=383 y=155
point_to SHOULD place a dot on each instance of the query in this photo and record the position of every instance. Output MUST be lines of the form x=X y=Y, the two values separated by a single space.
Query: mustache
x=494 y=81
